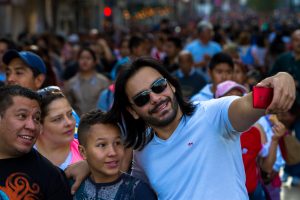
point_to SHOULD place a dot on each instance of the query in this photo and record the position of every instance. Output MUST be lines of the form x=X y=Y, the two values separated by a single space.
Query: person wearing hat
x=28 y=70
x=24 y=68
x=230 y=88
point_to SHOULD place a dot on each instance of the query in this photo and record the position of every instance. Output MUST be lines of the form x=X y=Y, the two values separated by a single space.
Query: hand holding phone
x=262 y=97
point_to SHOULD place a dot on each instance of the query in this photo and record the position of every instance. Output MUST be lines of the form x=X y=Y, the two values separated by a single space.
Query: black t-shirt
x=32 y=176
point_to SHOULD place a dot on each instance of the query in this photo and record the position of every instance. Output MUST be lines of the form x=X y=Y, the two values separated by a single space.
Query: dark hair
x=9 y=91
x=260 y=41
x=9 y=43
x=47 y=100
x=295 y=109
x=242 y=65
x=135 y=128
x=220 y=58
x=134 y=42
x=50 y=79
x=244 y=38
x=176 y=41
x=47 y=97
x=92 y=52
x=255 y=74
x=35 y=71
x=89 y=119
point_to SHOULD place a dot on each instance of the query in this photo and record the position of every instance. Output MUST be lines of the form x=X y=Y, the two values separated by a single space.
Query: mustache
x=154 y=110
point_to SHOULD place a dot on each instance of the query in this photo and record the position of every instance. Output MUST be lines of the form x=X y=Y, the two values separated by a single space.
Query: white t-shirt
x=202 y=159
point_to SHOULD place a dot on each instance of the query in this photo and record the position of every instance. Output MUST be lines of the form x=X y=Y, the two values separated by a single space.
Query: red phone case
x=262 y=97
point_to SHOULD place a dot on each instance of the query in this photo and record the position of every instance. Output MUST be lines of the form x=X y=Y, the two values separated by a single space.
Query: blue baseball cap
x=31 y=59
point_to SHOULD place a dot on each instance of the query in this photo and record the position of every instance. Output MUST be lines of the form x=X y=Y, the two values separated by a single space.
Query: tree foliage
x=263 y=5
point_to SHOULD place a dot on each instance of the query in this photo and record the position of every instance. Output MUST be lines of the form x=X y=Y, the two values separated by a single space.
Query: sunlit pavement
x=288 y=192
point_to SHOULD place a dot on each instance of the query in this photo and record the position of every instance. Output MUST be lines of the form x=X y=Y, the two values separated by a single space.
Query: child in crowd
x=102 y=147
x=255 y=154
x=220 y=69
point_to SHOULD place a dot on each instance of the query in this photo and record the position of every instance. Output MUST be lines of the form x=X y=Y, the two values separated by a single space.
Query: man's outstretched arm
x=241 y=112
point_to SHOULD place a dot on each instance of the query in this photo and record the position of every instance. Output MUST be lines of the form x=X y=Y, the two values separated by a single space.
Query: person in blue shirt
x=182 y=149
x=203 y=48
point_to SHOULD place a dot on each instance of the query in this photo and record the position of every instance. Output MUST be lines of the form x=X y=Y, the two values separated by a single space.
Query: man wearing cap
x=28 y=70
x=24 y=68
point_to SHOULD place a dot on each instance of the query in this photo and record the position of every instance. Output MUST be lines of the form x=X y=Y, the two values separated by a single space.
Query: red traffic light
x=107 y=11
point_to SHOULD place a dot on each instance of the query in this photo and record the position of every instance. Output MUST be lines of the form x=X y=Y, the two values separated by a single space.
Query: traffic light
x=107 y=11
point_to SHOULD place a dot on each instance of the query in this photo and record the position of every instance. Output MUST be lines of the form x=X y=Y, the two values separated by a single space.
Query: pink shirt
x=75 y=152
x=73 y=157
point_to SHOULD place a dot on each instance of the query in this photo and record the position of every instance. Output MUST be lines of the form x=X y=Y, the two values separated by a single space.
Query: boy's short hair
x=88 y=120
x=220 y=58
x=9 y=91
x=32 y=60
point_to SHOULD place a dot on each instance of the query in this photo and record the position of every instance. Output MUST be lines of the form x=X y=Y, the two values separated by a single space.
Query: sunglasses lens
x=142 y=99
x=159 y=86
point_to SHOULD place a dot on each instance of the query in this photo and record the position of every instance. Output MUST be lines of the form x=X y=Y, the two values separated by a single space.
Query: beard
x=171 y=114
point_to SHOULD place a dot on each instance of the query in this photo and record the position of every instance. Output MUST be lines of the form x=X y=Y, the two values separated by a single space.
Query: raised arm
x=268 y=162
x=241 y=112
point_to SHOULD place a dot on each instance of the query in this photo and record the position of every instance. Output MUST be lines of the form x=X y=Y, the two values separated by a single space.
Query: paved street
x=290 y=193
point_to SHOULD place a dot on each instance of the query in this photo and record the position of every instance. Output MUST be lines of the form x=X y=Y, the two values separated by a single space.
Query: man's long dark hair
x=135 y=129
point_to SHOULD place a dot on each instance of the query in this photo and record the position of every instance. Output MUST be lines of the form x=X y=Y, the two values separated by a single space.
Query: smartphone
x=262 y=97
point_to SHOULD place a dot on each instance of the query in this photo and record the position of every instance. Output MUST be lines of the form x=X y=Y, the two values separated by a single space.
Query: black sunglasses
x=143 y=97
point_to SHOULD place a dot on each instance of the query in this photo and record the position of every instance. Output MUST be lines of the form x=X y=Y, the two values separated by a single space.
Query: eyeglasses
x=48 y=90
x=157 y=87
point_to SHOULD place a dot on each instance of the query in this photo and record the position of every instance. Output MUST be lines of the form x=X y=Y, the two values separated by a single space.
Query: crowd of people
x=157 y=115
